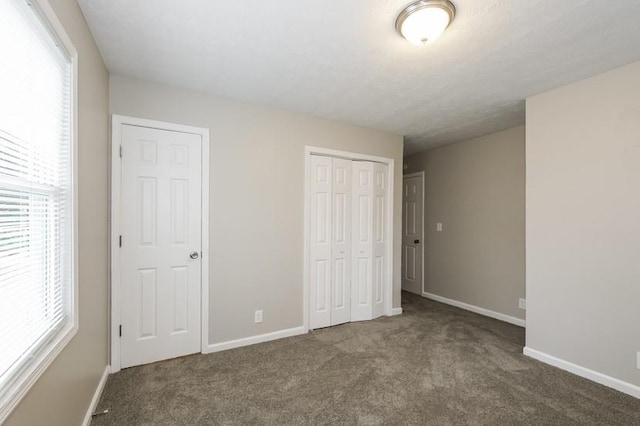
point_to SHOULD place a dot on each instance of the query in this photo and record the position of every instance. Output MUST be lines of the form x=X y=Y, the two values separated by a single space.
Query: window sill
x=37 y=366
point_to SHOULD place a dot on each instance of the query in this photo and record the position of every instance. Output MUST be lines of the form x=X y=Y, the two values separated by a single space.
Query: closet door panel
x=341 y=249
x=362 y=240
x=321 y=237
x=379 y=243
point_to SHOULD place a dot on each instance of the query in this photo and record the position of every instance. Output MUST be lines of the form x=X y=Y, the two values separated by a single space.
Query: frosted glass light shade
x=424 y=21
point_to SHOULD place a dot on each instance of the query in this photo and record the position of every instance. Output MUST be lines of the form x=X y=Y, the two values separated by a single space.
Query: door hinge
x=120 y=241
x=120 y=331
x=120 y=149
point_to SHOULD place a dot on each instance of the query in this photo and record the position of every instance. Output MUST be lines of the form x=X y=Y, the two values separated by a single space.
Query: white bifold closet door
x=330 y=241
x=369 y=240
x=347 y=240
x=341 y=242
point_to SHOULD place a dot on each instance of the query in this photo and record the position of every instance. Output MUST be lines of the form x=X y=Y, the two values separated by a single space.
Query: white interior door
x=161 y=244
x=341 y=244
x=412 y=226
x=320 y=242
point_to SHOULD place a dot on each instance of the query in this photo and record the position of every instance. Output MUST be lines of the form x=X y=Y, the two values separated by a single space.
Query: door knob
x=416 y=241
x=193 y=255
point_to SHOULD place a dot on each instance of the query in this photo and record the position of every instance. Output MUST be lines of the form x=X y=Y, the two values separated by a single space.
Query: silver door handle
x=193 y=255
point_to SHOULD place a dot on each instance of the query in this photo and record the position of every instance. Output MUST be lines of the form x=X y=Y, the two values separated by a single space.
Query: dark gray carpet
x=433 y=365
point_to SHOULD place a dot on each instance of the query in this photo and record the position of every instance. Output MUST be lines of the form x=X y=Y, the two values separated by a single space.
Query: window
x=37 y=233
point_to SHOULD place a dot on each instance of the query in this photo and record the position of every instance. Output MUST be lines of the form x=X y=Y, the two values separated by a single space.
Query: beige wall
x=583 y=223
x=62 y=395
x=476 y=190
x=257 y=179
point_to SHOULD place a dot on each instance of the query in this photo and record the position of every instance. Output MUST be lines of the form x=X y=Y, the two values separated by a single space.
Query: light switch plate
x=257 y=316
x=439 y=227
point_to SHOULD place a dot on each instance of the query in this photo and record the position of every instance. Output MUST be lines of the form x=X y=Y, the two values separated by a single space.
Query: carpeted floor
x=433 y=365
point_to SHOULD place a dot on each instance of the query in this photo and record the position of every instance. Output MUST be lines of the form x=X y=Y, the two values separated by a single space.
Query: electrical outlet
x=257 y=316
x=638 y=360
x=522 y=303
x=439 y=227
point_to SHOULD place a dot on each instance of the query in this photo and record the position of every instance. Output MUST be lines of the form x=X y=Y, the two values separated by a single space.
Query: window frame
x=51 y=346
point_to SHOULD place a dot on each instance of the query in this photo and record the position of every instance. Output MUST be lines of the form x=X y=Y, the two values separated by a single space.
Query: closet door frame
x=389 y=162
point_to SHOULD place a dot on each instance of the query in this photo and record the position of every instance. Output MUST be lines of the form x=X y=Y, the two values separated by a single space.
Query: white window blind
x=36 y=232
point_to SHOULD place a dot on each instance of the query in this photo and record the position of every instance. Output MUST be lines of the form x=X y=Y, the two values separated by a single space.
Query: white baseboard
x=478 y=310
x=96 y=396
x=396 y=311
x=260 y=338
x=594 y=376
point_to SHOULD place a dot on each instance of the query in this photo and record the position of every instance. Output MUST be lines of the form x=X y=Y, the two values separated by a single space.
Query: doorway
x=413 y=233
x=159 y=241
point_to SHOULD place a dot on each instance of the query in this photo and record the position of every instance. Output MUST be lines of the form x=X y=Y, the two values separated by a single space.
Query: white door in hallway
x=412 y=233
x=161 y=273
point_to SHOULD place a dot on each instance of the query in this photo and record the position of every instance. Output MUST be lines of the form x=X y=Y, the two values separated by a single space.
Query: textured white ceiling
x=343 y=60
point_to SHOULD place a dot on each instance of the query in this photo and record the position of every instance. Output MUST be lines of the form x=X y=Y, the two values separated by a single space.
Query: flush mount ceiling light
x=424 y=21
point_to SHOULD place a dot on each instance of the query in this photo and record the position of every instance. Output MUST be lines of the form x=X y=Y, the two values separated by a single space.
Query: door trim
x=313 y=150
x=424 y=192
x=117 y=121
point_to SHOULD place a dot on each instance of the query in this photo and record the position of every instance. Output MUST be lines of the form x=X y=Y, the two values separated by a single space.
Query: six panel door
x=412 y=244
x=161 y=243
